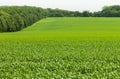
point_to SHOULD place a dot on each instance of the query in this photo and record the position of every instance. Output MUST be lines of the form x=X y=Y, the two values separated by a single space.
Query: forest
x=15 y=18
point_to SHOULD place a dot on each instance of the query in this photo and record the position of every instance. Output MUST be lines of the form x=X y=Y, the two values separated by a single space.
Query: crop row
x=60 y=59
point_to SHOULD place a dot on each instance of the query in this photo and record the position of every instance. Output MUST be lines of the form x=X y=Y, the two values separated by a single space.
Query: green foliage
x=59 y=59
x=62 y=48
x=107 y=11
x=86 y=14
x=111 y=11
x=62 y=13
x=15 y=18
x=3 y=18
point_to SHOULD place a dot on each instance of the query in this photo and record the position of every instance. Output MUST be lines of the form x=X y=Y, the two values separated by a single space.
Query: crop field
x=62 y=48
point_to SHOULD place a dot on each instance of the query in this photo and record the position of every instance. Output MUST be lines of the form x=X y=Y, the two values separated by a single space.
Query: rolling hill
x=62 y=48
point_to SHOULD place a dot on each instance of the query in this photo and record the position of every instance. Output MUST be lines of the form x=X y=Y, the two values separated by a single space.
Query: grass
x=62 y=48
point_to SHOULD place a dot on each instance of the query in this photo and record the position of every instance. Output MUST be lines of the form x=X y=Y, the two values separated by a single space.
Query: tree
x=14 y=18
x=111 y=11
x=86 y=14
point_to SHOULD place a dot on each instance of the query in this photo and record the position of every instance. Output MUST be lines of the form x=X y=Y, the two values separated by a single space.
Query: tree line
x=15 y=18
x=107 y=11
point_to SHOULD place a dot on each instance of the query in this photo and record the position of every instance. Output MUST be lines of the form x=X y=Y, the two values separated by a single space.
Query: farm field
x=62 y=48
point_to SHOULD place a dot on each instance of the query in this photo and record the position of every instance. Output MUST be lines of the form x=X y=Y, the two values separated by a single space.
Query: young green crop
x=62 y=48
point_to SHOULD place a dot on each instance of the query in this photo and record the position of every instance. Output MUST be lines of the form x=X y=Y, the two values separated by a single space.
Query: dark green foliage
x=86 y=14
x=15 y=18
x=107 y=11
x=111 y=11
x=4 y=17
x=97 y=14
x=62 y=13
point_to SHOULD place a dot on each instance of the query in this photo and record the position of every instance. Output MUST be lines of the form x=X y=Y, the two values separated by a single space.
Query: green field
x=62 y=48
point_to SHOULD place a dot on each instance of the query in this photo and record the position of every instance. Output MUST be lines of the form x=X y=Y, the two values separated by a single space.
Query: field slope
x=62 y=48
x=77 y=27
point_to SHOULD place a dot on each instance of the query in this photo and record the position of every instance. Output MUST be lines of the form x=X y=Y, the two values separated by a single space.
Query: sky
x=73 y=5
